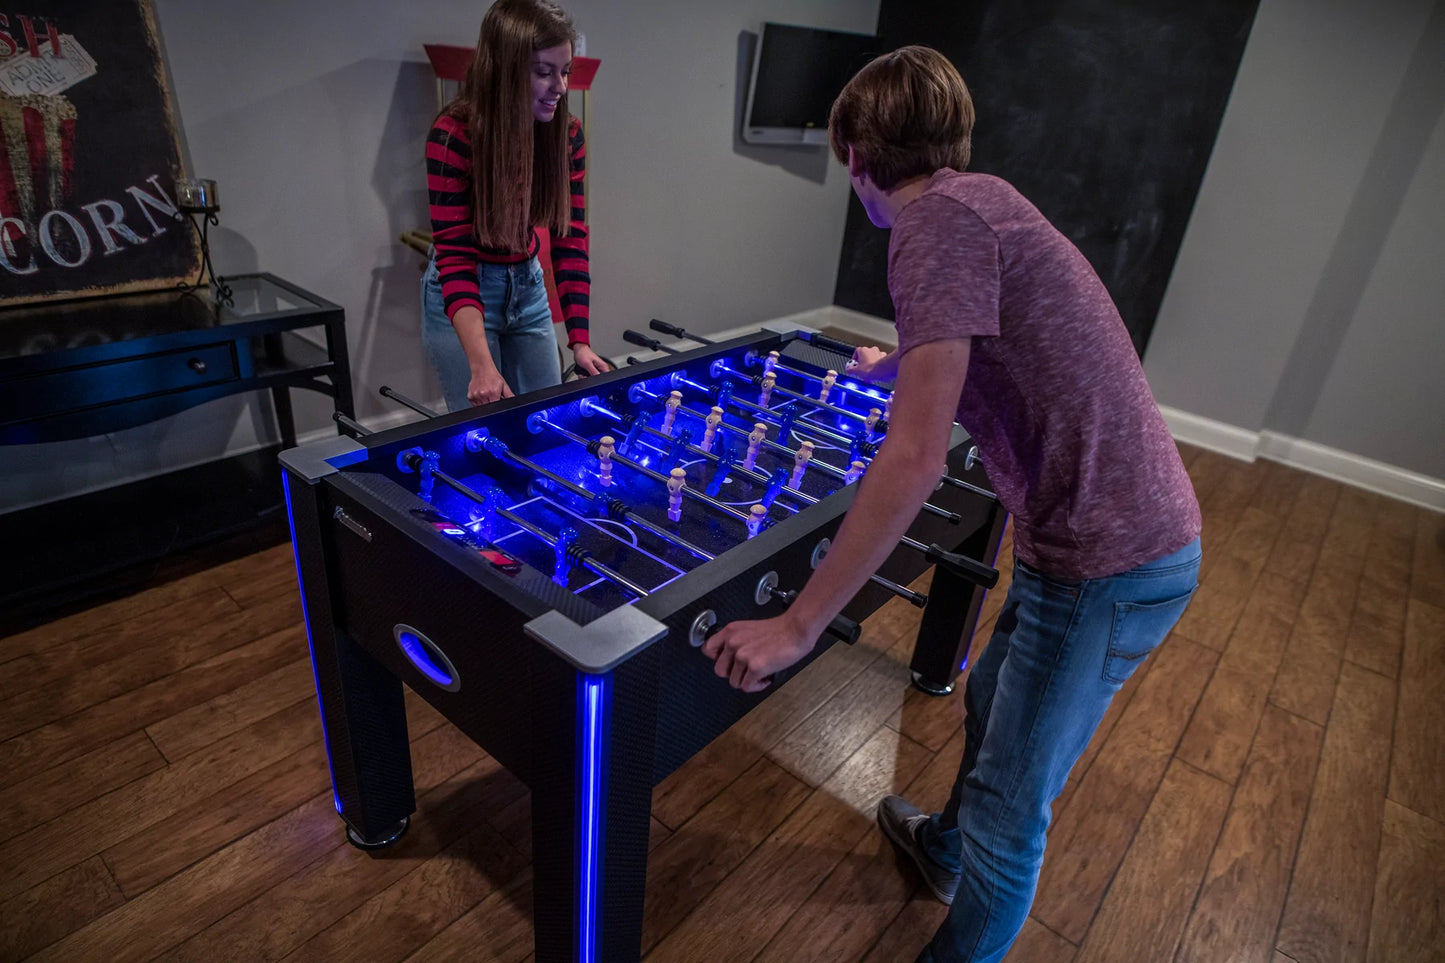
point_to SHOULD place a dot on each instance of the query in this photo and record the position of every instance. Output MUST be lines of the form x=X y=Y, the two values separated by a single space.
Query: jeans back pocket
x=1138 y=629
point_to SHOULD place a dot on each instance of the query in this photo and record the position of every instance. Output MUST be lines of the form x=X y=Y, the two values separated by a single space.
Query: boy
x=999 y=314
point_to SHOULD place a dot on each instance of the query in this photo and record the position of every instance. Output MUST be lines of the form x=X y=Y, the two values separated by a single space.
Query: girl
x=502 y=159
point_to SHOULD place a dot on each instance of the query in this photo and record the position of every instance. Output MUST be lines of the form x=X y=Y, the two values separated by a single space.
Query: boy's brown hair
x=906 y=114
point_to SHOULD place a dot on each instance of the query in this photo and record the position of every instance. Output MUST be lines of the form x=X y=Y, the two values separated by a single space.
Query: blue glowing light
x=594 y=695
x=415 y=649
x=310 y=646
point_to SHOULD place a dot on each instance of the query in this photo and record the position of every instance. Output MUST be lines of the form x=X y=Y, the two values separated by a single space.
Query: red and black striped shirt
x=449 y=189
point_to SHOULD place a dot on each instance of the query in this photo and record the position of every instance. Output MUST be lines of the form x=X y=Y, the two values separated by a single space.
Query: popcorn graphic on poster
x=87 y=163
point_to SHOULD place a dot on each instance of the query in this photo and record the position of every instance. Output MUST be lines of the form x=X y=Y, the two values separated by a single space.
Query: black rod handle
x=642 y=340
x=672 y=329
x=963 y=566
x=845 y=629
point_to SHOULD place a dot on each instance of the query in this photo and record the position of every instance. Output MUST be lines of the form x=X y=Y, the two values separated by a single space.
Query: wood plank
x=830 y=736
x=496 y=930
x=420 y=904
x=1216 y=607
x=1417 y=762
x=1036 y=943
x=1427 y=575
x=75 y=735
x=1223 y=726
x=92 y=621
x=202 y=827
x=87 y=652
x=1239 y=904
x=1327 y=911
x=146 y=926
x=57 y=907
x=1408 y=925
x=910 y=931
x=190 y=901
x=293 y=911
x=704 y=850
x=80 y=833
x=45 y=687
x=1148 y=904
x=44 y=796
x=1348 y=537
x=1298 y=547
x=195 y=728
x=740 y=916
x=1278 y=489
x=1093 y=832
x=1377 y=627
x=679 y=796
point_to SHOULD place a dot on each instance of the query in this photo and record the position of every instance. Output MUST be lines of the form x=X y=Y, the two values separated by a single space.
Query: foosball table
x=544 y=570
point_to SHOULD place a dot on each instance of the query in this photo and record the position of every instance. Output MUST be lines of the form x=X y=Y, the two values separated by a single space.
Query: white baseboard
x=1342 y=466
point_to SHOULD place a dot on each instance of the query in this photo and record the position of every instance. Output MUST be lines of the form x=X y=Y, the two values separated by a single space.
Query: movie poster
x=89 y=153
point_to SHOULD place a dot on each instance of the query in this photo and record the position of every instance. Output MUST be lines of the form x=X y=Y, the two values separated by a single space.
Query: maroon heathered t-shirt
x=1055 y=397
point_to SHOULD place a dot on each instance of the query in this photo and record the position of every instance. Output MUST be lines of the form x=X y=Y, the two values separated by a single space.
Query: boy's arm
x=890 y=496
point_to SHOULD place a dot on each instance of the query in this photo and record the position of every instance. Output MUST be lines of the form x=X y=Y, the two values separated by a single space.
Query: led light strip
x=310 y=646
x=594 y=695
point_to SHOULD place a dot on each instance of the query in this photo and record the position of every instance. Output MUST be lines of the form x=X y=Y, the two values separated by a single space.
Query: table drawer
x=113 y=382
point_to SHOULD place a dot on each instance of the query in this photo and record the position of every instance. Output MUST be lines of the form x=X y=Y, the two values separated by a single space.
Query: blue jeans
x=518 y=323
x=1060 y=650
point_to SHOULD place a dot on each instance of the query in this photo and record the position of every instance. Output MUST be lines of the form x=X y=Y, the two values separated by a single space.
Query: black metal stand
x=201 y=218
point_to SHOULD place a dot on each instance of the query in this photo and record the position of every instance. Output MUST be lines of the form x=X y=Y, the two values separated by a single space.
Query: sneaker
x=900 y=821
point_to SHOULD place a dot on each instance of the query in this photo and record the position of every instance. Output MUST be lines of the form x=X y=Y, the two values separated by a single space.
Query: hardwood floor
x=1270 y=786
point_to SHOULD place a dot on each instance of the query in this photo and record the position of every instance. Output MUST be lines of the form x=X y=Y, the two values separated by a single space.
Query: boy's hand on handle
x=748 y=653
x=487 y=385
x=864 y=363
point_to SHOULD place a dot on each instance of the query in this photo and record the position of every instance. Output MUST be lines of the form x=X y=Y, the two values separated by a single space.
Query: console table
x=80 y=368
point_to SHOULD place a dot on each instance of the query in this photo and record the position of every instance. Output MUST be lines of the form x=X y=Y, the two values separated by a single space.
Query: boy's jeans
x=1059 y=652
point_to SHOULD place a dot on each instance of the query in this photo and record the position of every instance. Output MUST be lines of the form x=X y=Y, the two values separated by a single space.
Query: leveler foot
x=387 y=838
x=932 y=688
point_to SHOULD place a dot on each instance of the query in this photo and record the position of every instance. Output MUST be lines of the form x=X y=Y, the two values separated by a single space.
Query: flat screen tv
x=797 y=73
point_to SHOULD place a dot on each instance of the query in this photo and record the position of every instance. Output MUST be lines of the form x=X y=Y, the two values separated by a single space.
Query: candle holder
x=198 y=203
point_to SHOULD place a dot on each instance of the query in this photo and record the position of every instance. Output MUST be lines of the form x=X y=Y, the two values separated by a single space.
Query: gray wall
x=311 y=117
x=1307 y=297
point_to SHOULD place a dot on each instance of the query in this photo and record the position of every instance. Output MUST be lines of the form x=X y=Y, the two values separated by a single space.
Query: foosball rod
x=643 y=341
x=720 y=367
x=679 y=379
x=752 y=357
x=961 y=565
x=614 y=507
x=756 y=476
x=584 y=558
x=743 y=406
x=595 y=407
x=539 y=419
x=388 y=392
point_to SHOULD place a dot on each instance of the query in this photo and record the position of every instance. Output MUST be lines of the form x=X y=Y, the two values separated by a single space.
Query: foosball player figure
x=871 y=421
x=755 y=441
x=676 y=482
x=605 y=447
x=674 y=401
x=771 y=362
x=854 y=472
x=801 y=458
x=828 y=381
x=714 y=418
x=756 y=516
x=766 y=392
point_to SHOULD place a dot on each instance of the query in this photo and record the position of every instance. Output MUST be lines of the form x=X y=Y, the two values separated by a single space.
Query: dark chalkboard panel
x=1101 y=112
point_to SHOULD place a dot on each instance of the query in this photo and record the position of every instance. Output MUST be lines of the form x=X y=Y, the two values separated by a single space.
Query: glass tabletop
x=67 y=325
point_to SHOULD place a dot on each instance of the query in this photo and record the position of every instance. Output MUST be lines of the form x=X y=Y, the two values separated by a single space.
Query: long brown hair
x=520 y=170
